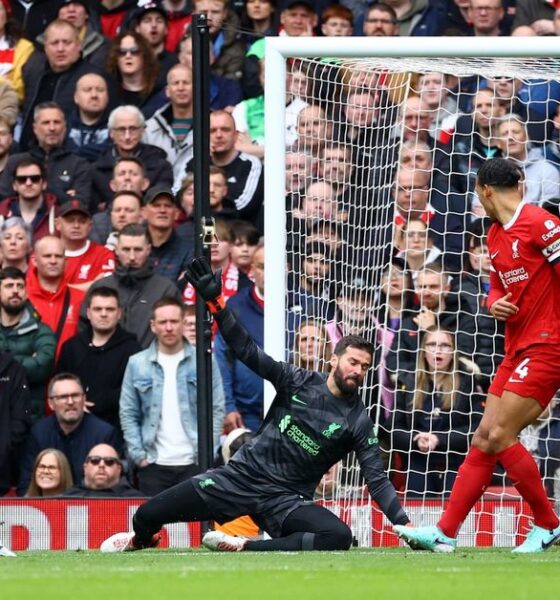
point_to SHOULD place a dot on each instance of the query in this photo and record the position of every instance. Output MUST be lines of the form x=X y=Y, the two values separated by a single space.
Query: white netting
x=379 y=184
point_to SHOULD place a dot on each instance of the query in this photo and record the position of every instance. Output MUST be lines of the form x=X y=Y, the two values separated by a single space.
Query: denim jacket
x=140 y=401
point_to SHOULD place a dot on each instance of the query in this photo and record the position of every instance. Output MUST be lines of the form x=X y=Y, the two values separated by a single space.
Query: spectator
x=337 y=20
x=86 y=261
x=103 y=476
x=336 y=166
x=313 y=130
x=258 y=20
x=57 y=303
x=69 y=429
x=244 y=392
x=312 y=350
x=15 y=418
x=542 y=179
x=22 y=334
x=437 y=100
x=159 y=418
x=486 y=16
x=136 y=282
x=418 y=18
x=32 y=203
x=112 y=14
x=6 y=140
x=132 y=63
x=227 y=45
x=178 y=20
x=244 y=172
x=171 y=126
x=298 y=18
x=380 y=21
x=534 y=15
x=33 y=18
x=184 y=223
x=296 y=100
x=126 y=208
x=52 y=76
x=438 y=407
x=189 y=324
x=224 y=92
x=170 y=253
x=151 y=22
x=15 y=243
x=68 y=175
x=17 y=50
x=94 y=46
x=99 y=354
x=245 y=244
x=87 y=127
x=299 y=172
x=221 y=207
x=129 y=175
x=51 y=475
x=126 y=127
x=419 y=249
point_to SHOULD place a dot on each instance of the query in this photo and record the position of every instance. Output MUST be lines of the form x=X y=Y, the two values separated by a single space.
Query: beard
x=346 y=386
x=13 y=309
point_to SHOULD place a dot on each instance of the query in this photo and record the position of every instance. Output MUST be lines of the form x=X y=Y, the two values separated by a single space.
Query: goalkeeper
x=312 y=424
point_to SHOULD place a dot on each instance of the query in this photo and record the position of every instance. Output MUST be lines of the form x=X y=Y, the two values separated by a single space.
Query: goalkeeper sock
x=522 y=469
x=473 y=478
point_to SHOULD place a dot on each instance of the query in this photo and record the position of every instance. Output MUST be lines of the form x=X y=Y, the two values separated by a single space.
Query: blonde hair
x=66 y=480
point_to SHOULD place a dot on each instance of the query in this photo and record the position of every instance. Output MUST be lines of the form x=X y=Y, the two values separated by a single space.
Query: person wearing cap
x=170 y=253
x=86 y=261
x=298 y=18
x=31 y=201
x=136 y=282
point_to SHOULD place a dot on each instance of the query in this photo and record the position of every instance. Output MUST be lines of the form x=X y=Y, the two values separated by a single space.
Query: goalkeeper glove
x=206 y=283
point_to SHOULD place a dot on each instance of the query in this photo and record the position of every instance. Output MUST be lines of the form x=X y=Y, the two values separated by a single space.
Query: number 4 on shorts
x=522 y=370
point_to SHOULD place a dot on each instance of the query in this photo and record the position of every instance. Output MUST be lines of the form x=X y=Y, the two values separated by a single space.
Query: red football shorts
x=531 y=373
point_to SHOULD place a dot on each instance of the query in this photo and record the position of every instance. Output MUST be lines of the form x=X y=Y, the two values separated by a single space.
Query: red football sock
x=524 y=474
x=473 y=478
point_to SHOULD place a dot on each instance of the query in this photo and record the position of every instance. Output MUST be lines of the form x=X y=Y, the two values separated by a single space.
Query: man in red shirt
x=524 y=246
x=86 y=261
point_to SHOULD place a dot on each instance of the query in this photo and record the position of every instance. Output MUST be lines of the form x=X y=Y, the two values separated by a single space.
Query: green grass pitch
x=379 y=574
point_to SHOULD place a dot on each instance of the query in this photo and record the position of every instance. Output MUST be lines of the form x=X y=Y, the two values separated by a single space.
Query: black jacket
x=15 y=417
x=101 y=369
x=123 y=489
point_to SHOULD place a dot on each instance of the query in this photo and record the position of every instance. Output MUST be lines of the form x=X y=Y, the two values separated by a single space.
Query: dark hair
x=353 y=341
x=244 y=231
x=499 y=172
x=50 y=105
x=167 y=301
x=29 y=161
x=135 y=230
x=382 y=7
x=64 y=377
x=316 y=248
x=127 y=193
x=11 y=273
x=133 y=159
x=103 y=291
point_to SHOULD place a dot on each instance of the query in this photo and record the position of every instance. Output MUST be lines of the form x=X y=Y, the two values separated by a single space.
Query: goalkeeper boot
x=426 y=538
x=217 y=540
x=6 y=552
x=538 y=540
x=126 y=542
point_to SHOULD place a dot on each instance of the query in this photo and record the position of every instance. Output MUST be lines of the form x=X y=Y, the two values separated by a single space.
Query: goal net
x=371 y=162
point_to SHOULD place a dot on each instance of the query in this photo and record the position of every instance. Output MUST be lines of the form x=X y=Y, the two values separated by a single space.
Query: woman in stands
x=51 y=474
x=15 y=243
x=312 y=350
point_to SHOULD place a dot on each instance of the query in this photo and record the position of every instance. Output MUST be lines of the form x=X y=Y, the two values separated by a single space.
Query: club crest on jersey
x=515 y=249
x=328 y=432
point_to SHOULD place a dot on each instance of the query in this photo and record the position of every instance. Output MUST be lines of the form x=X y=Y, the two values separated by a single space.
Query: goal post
x=363 y=258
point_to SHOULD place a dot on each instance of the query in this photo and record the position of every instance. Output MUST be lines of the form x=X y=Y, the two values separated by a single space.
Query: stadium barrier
x=82 y=524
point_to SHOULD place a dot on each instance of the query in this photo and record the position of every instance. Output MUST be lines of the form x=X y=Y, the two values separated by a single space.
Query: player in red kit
x=524 y=247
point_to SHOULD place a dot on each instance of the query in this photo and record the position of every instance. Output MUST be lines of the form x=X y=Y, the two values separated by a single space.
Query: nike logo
x=550 y=542
x=296 y=399
x=493 y=256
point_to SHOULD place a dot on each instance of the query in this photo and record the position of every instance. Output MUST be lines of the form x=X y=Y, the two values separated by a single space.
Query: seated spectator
x=297 y=92
x=112 y=15
x=134 y=66
x=313 y=131
x=419 y=249
x=227 y=44
x=184 y=224
x=103 y=476
x=221 y=207
x=51 y=475
x=67 y=175
x=298 y=18
x=486 y=16
x=189 y=324
x=126 y=208
x=170 y=128
x=380 y=20
x=312 y=350
x=136 y=282
x=29 y=341
x=32 y=203
x=86 y=261
x=87 y=126
x=299 y=172
x=170 y=254
x=126 y=126
x=6 y=139
x=15 y=419
x=99 y=354
x=336 y=166
x=337 y=20
x=542 y=179
x=69 y=429
x=534 y=15
x=438 y=407
x=178 y=20
x=258 y=20
x=15 y=244
x=436 y=99
x=224 y=92
x=16 y=50
x=245 y=242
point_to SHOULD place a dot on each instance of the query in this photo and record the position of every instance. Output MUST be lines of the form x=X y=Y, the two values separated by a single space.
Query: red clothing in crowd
x=88 y=263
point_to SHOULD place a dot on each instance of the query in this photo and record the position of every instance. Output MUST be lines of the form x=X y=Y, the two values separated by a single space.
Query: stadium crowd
x=386 y=238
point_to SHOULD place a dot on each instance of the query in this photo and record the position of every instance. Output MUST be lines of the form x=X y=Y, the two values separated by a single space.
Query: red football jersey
x=88 y=263
x=523 y=253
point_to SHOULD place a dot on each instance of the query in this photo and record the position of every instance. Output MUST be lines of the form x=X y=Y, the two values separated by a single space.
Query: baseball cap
x=80 y=2
x=150 y=6
x=73 y=206
x=304 y=3
x=156 y=192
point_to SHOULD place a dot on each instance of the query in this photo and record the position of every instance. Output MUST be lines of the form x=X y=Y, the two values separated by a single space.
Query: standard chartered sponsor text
x=303 y=440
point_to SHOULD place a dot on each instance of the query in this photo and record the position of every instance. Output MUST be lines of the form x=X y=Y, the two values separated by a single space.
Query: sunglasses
x=131 y=51
x=110 y=461
x=24 y=178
